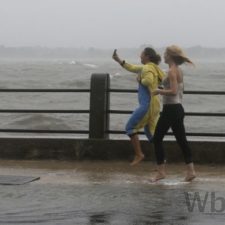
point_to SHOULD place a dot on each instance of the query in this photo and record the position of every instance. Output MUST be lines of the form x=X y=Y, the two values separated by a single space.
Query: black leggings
x=172 y=116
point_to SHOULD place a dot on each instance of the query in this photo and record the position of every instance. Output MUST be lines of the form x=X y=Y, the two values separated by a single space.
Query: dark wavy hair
x=152 y=55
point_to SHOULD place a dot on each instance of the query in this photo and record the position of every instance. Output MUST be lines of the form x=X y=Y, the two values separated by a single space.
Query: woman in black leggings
x=172 y=115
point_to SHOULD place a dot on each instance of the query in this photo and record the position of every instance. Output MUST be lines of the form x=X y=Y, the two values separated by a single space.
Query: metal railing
x=99 y=113
x=49 y=111
x=201 y=114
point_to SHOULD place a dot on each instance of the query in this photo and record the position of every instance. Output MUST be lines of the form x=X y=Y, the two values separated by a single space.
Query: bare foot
x=190 y=174
x=190 y=177
x=137 y=159
x=158 y=176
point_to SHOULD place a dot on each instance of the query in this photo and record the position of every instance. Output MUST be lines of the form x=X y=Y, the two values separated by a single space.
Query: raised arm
x=130 y=67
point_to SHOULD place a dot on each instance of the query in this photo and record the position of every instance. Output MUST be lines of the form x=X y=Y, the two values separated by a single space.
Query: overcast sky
x=112 y=23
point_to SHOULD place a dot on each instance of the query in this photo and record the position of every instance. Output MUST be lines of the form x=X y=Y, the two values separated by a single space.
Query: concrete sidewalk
x=111 y=192
x=144 y=169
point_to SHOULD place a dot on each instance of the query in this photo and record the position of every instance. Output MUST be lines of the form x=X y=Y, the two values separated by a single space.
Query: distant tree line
x=61 y=52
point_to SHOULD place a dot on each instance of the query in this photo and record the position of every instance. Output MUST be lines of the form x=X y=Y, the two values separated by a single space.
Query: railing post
x=99 y=106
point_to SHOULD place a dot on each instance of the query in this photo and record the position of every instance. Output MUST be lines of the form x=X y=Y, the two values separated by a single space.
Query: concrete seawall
x=97 y=149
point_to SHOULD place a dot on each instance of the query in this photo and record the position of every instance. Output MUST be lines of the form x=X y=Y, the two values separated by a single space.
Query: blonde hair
x=177 y=55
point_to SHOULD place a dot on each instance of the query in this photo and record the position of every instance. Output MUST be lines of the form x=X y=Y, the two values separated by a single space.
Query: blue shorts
x=140 y=117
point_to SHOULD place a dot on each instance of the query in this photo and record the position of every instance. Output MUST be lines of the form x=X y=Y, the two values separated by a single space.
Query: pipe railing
x=99 y=113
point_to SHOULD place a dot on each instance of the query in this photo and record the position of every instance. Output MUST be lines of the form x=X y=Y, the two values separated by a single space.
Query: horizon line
x=103 y=48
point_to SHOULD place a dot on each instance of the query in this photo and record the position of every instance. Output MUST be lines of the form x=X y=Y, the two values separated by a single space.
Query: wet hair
x=152 y=55
x=177 y=55
x=179 y=60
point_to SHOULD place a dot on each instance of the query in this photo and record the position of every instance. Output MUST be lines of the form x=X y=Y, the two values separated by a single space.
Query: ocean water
x=76 y=73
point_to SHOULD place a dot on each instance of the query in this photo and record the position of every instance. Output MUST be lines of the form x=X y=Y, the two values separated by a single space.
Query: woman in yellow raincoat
x=147 y=114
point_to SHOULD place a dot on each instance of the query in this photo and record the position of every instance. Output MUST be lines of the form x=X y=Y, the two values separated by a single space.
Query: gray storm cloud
x=111 y=23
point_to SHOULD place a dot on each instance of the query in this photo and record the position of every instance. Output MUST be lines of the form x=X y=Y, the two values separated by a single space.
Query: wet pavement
x=112 y=193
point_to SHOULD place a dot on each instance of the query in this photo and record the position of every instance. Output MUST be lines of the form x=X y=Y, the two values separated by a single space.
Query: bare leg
x=161 y=174
x=190 y=172
x=139 y=156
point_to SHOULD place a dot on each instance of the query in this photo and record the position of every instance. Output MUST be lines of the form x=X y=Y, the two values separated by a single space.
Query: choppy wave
x=90 y=65
x=76 y=73
x=39 y=121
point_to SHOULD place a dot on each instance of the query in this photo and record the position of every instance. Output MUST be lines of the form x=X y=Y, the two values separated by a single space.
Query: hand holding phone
x=115 y=56
x=115 y=52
